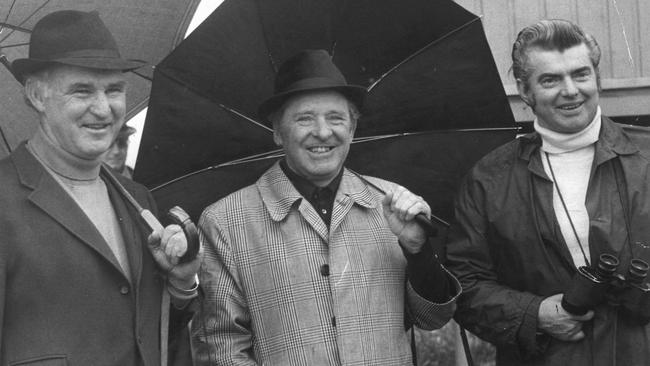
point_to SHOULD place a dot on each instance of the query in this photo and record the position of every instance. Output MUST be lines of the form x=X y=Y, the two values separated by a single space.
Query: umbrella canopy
x=435 y=104
x=143 y=29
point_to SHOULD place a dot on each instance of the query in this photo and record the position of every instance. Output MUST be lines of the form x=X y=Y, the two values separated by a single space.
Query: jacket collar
x=48 y=194
x=279 y=194
x=612 y=142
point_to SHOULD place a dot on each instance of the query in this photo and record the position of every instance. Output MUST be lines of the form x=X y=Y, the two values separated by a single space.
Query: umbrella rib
x=245 y=117
x=15 y=45
x=408 y=58
x=269 y=56
x=25 y=20
x=403 y=134
x=2 y=26
x=376 y=187
x=142 y=75
x=262 y=156
x=195 y=90
x=213 y=167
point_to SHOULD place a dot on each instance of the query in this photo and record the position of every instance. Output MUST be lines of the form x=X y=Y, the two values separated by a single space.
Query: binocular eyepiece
x=592 y=285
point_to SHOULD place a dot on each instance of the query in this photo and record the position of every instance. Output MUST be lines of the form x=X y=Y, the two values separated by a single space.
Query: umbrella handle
x=7 y=64
x=426 y=224
x=421 y=218
x=178 y=216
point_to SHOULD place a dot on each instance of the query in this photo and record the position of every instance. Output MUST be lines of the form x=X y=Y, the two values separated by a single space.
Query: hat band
x=91 y=53
x=314 y=83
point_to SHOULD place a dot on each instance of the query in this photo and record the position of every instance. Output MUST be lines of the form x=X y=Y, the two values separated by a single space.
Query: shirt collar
x=279 y=194
x=305 y=187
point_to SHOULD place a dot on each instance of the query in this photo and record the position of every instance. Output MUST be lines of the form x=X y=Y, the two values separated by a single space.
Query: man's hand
x=558 y=323
x=400 y=208
x=167 y=248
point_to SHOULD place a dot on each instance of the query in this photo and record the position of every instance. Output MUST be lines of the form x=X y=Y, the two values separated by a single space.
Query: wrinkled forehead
x=67 y=74
x=311 y=99
x=541 y=59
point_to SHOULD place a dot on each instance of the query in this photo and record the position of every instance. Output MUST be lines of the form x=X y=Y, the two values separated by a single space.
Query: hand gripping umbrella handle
x=421 y=218
x=176 y=214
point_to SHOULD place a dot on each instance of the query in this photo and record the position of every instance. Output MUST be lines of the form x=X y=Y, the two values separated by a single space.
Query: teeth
x=572 y=106
x=320 y=149
x=97 y=127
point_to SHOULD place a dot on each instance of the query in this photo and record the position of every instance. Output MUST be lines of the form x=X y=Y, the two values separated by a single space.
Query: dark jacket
x=509 y=254
x=64 y=299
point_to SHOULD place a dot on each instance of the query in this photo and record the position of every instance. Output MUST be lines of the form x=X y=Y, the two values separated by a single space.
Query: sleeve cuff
x=427 y=276
x=531 y=341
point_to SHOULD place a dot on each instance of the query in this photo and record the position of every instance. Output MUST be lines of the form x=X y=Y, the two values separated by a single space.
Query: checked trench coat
x=280 y=289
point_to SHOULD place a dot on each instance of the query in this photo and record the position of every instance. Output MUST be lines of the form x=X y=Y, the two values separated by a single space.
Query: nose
x=322 y=129
x=101 y=106
x=570 y=88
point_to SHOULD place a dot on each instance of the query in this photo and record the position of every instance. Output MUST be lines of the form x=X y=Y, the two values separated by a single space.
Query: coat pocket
x=48 y=360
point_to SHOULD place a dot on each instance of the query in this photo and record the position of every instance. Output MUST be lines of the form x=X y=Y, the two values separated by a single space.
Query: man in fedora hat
x=312 y=265
x=80 y=281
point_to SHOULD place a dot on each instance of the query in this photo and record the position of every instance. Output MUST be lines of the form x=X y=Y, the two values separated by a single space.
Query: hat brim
x=356 y=94
x=26 y=66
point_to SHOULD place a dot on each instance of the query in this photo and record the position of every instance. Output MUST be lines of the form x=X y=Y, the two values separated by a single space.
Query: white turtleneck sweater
x=571 y=157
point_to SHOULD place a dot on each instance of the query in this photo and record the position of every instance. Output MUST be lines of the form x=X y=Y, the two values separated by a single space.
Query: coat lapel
x=57 y=203
x=279 y=196
x=130 y=230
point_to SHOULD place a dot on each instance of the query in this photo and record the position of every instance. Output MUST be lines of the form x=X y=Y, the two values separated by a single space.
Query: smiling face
x=315 y=131
x=81 y=109
x=562 y=88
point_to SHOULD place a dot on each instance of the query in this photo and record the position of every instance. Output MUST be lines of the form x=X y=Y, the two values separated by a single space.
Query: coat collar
x=612 y=142
x=279 y=195
x=48 y=194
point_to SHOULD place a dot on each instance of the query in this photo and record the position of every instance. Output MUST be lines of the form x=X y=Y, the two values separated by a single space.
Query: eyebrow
x=581 y=69
x=119 y=84
x=552 y=74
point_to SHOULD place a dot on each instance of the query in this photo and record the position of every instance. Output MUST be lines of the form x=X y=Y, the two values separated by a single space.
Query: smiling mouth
x=570 y=107
x=97 y=126
x=320 y=149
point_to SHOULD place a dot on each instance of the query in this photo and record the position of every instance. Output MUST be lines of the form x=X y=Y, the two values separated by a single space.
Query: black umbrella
x=143 y=29
x=435 y=105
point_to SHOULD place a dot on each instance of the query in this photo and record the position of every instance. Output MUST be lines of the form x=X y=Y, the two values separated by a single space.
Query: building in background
x=622 y=29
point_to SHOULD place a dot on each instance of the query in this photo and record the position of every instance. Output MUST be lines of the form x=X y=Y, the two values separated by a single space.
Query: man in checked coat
x=312 y=264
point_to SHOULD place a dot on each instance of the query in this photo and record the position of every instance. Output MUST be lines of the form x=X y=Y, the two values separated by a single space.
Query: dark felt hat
x=72 y=37
x=309 y=70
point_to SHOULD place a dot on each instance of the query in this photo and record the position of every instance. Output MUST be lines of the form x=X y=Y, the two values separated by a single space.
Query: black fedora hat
x=309 y=70
x=72 y=37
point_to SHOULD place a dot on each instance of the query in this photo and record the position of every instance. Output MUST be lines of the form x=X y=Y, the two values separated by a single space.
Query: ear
x=522 y=88
x=276 y=136
x=35 y=93
x=353 y=127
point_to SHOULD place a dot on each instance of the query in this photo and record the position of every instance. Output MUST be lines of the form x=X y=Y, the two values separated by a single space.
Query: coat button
x=325 y=270
x=124 y=290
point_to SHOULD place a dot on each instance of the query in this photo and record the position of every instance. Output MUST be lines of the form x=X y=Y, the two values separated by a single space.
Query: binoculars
x=593 y=285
